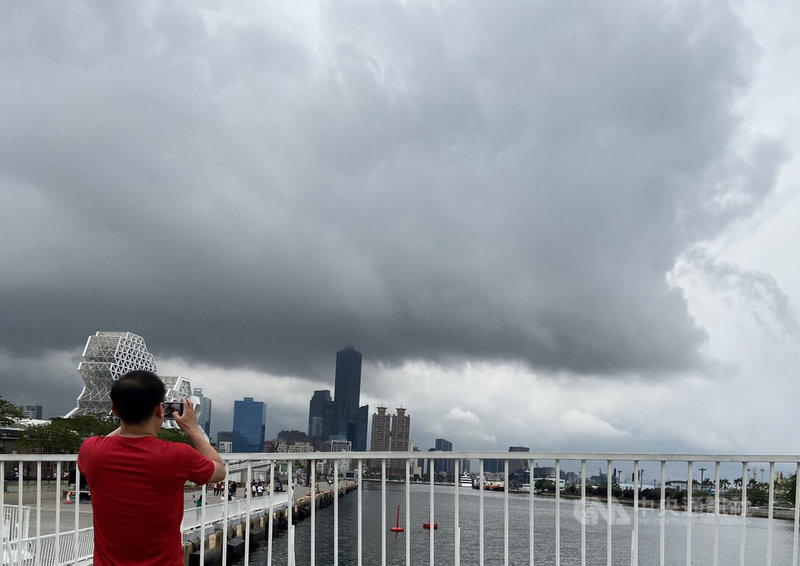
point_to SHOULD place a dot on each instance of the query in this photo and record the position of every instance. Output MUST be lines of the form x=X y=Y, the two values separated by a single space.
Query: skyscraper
x=380 y=439
x=350 y=419
x=340 y=418
x=348 y=378
x=440 y=465
x=318 y=408
x=401 y=429
x=205 y=410
x=249 y=424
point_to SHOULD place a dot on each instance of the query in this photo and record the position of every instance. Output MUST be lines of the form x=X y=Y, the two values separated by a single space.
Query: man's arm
x=188 y=424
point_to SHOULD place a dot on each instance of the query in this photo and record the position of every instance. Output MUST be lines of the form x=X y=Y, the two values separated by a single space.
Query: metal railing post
x=506 y=482
x=336 y=513
x=383 y=517
x=531 y=484
x=661 y=542
x=771 y=511
x=743 y=515
x=558 y=512
x=796 y=535
x=480 y=515
x=609 y=523
x=360 y=517
x=635 y=532
x=456 y=528
x=431 y=528
x=408 y=513
x=583 y=512
x=314 y=510
x=716 y=513
x=689 y=499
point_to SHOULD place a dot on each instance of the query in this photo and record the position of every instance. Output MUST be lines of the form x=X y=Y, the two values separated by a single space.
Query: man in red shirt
x=136 y=480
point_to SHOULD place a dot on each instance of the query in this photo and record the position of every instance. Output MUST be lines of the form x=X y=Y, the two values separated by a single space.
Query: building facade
x=440 y=465
x=319 y=417
x=249 y=425
x=380 y=437
x=31 y=411
x=400 y=435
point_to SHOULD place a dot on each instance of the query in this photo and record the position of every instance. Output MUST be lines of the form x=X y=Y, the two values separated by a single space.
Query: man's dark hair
x=136 y=394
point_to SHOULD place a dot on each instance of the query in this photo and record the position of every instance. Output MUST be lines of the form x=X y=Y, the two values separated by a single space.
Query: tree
x=757 y=492
x=790 y=488
x=173 y=435
x=64 y=435
x=9 y=414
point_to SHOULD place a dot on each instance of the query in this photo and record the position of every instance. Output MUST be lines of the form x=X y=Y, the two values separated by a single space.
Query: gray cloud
x=491 y=182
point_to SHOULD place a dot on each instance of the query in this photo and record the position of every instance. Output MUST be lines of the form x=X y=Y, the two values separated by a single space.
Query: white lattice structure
x=177 y=389
x=107 y=357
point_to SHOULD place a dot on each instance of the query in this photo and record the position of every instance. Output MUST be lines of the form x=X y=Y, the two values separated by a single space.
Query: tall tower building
x=380 y=440
x=349 y=419
x=348 y=378
x=318 y=408
x=440 y=465
x=401 y=430
x=249 y=425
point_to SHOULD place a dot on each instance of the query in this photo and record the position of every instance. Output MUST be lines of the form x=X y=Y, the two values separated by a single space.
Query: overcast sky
x=564 y=225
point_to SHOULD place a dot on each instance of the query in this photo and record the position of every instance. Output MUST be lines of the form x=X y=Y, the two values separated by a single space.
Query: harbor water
x=705 y=528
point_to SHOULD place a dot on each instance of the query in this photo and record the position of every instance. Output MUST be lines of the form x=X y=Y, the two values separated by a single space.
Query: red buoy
x=397 y=528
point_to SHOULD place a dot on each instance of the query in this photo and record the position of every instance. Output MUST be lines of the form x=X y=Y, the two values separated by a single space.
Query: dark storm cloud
x=490 y=181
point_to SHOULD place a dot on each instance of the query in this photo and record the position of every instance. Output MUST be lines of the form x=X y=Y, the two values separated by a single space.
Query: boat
x=465 y=480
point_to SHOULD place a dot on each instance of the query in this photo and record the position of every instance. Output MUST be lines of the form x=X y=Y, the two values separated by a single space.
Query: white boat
x=465 y=480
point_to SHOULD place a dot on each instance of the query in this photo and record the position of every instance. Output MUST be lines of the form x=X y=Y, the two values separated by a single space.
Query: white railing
x=513 y=526
x=15 y=522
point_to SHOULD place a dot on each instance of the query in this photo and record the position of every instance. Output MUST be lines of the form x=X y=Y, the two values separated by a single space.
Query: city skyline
x=562 y=226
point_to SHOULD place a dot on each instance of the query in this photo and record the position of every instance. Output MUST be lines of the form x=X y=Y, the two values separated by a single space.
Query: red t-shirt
x=136 y=486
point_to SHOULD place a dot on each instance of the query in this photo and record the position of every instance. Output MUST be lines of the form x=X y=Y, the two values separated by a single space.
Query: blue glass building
x=249 y=424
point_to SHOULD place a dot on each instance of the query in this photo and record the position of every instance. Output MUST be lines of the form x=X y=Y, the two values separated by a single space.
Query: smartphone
x=171 y=407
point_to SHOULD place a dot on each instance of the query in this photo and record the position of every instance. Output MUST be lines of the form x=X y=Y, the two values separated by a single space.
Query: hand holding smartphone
x=172 y=407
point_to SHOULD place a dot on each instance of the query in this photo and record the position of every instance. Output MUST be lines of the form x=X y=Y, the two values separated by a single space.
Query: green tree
x=173 y=435
x=757 y=492
x=790 y=488
x=8 y=413
x=49 y=438
x=64 y=435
